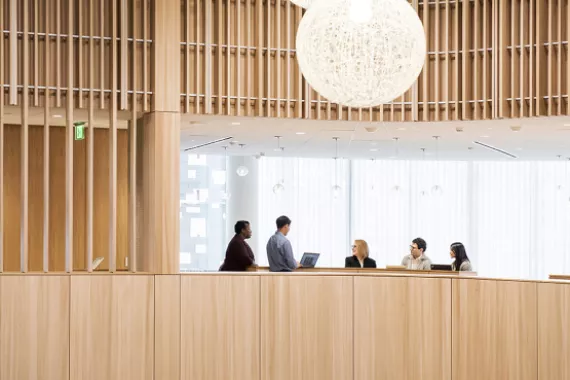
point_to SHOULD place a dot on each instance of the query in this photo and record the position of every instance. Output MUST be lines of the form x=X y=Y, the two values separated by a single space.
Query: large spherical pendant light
x=361 y=53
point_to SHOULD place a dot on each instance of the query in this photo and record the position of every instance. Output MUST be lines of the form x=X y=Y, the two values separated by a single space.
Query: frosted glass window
x=197 y=160
x=219 y=177
x=185 y=258
x=198 y=227
x=202 y=195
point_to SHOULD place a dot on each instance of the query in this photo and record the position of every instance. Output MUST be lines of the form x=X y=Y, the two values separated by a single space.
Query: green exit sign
x=79 y=130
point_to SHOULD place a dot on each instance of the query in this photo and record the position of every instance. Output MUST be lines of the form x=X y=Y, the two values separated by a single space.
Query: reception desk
x=280 y=326
x=393 y=270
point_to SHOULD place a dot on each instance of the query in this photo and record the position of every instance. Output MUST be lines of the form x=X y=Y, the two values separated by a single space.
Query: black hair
x=421 y=243
x=282 y=221
x=240 y=226
x=460 y=255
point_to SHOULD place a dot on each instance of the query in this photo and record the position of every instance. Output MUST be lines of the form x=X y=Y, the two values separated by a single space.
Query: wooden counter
x=370 y=271
x=563 y=277
x=281 y=326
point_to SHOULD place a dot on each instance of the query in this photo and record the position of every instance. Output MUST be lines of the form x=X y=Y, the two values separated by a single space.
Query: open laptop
x=309 y=259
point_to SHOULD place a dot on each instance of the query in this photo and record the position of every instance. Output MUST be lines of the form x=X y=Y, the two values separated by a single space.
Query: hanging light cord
x=335 y=162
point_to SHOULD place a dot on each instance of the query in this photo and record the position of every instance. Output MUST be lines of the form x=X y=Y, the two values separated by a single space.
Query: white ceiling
x=538 y=138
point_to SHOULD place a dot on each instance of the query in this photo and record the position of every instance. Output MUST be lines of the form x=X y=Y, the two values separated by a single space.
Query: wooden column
x=159 y=150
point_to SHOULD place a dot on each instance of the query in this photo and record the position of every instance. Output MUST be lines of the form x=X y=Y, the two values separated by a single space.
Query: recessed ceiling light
x=300 y=133
x=236 y=123
x=57 y=116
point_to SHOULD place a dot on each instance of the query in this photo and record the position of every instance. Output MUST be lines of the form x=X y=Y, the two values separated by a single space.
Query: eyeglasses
x=412 y=247
x=353 y=246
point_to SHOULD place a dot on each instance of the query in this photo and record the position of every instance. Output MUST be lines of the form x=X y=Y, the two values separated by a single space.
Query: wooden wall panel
x=167 y=330
x=158 y=182
x=553 y=331
x=133 y=326
x=112 y=327
x=166 y=14
x=303 y=336
x=494 y=327
x=12 y=183
x=34 y=327
x=412 y=319
x=220 y=328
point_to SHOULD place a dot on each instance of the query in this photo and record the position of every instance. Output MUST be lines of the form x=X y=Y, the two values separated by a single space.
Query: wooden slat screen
x=49 y=20
x=58 y=58
x=486 y=59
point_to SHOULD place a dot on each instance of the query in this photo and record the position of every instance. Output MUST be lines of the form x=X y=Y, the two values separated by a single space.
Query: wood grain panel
x=12 y=184
x=494 y=330
x=167 y=21
x=220 y=328
x=159 y=148
x=167 y=334
x=303 y=336
x=112 y=327
x=389 y=340
x=34 y=327
x=553 y=331
x=2 y=92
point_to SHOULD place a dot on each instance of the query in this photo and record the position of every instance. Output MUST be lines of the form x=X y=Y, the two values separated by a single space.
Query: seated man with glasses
x=416 y=260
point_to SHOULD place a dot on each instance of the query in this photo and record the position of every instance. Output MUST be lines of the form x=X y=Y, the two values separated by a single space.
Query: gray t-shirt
x=280 y=254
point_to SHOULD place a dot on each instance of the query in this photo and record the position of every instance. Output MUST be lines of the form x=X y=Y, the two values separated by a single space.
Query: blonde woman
x=359 y=258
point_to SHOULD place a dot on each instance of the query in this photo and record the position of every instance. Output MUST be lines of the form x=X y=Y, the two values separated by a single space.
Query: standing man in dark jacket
x=239 y=255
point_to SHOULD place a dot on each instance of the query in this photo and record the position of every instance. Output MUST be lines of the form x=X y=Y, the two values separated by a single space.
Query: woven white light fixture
x=361 y=53
x=303 y=3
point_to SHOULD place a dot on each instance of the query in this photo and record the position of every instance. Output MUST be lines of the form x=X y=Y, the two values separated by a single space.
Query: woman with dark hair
x=461 y=263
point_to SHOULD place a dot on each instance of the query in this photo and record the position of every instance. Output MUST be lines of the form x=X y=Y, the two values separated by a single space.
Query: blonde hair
x=361 y=248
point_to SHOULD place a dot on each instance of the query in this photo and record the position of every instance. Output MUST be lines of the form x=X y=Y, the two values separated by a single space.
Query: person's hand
x=299 y=265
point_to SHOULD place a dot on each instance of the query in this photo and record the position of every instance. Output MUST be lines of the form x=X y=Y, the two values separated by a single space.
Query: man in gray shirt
x=279 y=250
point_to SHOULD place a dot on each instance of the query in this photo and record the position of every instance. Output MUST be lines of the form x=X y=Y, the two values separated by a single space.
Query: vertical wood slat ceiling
x=90 y=26
x=486 y=59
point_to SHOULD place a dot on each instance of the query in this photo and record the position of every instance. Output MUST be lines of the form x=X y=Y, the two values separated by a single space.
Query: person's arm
x=373 y=263
x=288 y=256
x=427 y=264
x=347 y=262
x=405 y=261
x=466 y=266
